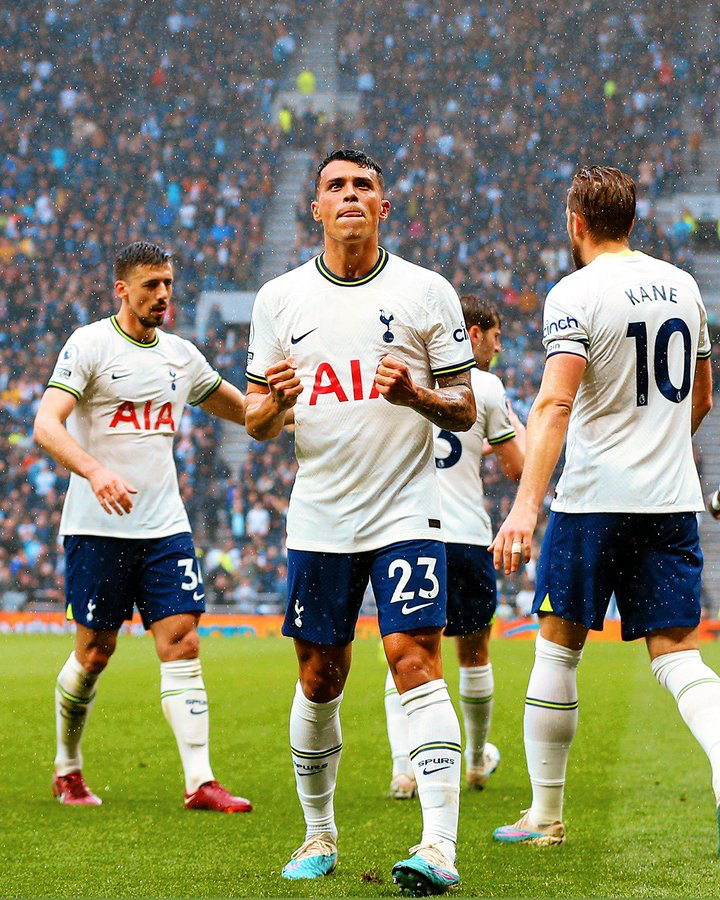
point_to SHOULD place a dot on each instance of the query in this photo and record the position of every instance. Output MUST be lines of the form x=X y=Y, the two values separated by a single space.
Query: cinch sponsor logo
x=560 y=325
x=327 y=382
x=152 y=420
x=460 y=334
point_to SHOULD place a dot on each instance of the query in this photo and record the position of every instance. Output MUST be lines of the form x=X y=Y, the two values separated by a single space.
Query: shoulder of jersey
x=486 y=384
x=672 y=270
x=276 y=285
x=573 y=280
x=485 y=379
x=414 y=271
x=170 y=341
x=93 y=331
x=657 y=265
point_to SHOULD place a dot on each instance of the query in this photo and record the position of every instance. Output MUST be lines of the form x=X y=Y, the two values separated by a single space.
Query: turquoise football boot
x=313 y=859
x=427 y=872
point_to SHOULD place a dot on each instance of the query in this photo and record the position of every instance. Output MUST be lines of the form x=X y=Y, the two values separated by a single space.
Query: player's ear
x=578 y=225
x=474 y=333
x=315 y=209
x=384 y=208
x=121 y=289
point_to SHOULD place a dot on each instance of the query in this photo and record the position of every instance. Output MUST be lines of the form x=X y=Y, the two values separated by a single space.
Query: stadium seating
x=164 y=133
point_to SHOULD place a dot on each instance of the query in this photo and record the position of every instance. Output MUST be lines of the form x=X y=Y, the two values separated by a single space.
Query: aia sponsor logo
x=328 y=381
x=142 y=416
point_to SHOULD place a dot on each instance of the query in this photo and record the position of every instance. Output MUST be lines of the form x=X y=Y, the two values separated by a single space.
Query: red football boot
x=212 y=795
x=72 y=790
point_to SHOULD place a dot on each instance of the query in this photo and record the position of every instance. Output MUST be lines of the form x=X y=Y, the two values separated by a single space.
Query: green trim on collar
x=124 y=334
x=352 y=282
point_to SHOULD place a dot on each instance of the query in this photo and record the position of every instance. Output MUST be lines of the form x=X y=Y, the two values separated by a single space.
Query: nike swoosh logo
x=427 y=771
x=296 y=340
x=406 y=610
x=115 y=377
x=197 y=712
x=198 y=596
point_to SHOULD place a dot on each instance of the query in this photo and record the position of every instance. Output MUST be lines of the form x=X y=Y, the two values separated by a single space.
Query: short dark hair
x=605 y=198
x=350 y=155
x=480 y=312
x=140 y=253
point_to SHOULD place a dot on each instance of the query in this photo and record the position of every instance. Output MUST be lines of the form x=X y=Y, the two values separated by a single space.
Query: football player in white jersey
x=109 y=415
x=355 y=342
x=472 y=590
x=628 y=379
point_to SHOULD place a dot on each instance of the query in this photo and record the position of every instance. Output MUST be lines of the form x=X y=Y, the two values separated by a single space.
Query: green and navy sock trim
x=176 y=691
x=695 y=684
x=550 y=704
x=435 y=745
x=476 y=700
x=315 y=754
x=66 y=695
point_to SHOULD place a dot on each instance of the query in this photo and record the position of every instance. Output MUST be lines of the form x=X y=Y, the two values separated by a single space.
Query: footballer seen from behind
x=627 y=379
x=472 y=589
x=370 y=351
x=109 y=415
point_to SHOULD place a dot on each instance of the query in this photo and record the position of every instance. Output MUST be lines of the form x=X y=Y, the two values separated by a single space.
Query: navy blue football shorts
x=652 y=563
x=106 y=577
x=325 y=590
x=471 y=589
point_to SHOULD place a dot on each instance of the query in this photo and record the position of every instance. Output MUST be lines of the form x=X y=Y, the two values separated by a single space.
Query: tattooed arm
x=451 y=405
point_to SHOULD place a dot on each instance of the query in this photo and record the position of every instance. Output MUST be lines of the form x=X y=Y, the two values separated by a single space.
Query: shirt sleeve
x=264 y=348
x=499 y=428
x=704 y=346
x=446 y=337
x=75 y=366
x=205 y=380
x=565 y=327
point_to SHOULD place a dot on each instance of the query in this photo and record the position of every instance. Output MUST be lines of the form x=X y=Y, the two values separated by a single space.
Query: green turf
x=639 y=809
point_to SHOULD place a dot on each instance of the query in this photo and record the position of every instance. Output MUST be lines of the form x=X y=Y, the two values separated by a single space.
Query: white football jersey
x=459 y=457
x=366 y=468
x=641 y=324
x=130 y=400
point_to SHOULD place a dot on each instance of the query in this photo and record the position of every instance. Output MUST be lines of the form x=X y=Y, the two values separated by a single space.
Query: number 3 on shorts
x=194 y=578
x=400 y=595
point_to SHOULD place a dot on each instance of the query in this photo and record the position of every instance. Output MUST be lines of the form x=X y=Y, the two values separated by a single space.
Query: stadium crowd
x=153 y=120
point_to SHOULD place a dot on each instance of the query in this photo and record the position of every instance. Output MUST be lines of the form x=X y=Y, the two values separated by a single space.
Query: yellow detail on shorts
x=546 y=605
x=69 y=613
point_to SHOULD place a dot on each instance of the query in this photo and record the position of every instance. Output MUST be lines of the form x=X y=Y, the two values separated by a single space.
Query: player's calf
x=696 y=689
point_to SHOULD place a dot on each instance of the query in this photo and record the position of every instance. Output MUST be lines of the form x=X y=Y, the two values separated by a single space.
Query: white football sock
x=476 y=704
x=434 y=733
x=397 y=729
x=696 y=689
x=184 y=702
x=551 y=716
x=74 y=696
x=316 y=746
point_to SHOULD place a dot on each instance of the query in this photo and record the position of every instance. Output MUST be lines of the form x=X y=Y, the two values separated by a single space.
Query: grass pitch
x=639 y=808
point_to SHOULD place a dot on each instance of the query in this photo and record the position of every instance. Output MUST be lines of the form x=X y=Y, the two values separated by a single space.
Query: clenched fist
x=394 y=382
x=284 y=383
